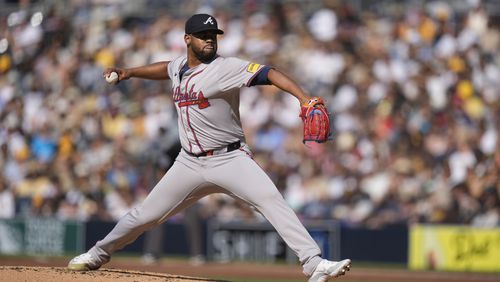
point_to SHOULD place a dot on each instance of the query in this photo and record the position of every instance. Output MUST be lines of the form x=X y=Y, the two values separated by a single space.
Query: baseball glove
x=316 y=120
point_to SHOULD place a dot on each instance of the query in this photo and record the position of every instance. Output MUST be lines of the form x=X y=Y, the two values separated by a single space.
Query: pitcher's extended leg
x=170 y=195
x=246 y=180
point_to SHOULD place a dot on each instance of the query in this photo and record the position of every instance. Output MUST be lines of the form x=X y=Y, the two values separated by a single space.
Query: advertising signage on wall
x=454 y=248
x=259 y=241
x=40 y=236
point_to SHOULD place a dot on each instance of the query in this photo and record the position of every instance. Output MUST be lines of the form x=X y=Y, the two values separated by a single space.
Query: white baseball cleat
x=330 y=269
x=84 y=262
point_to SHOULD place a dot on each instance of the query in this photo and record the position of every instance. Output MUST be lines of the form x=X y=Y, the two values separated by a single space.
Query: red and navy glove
x=316 y=120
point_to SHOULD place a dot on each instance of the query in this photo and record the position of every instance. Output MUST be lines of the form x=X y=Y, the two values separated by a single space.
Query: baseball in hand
x=112 y=78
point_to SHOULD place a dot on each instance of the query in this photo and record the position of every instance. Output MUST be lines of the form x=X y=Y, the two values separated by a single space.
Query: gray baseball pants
x=189 y=179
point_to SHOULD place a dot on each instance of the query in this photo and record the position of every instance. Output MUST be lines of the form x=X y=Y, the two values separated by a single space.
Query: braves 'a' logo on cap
x=209 y=20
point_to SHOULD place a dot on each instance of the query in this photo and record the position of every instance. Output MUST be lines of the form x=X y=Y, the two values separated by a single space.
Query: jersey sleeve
x=236 y=73
x=173 y=67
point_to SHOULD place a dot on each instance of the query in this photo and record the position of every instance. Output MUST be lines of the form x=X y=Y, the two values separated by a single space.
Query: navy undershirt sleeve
x=261 y=77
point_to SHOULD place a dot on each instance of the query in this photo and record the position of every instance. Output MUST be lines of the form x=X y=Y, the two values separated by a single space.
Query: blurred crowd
x=415 y=96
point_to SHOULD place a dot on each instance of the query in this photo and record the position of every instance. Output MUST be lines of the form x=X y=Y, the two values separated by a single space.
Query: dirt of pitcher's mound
x=52 y=274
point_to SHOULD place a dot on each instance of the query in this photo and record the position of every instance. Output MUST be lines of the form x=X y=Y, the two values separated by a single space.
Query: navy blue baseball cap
x=202 y=22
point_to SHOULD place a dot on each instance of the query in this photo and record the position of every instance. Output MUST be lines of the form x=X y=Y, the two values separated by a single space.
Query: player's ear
x=187 y=39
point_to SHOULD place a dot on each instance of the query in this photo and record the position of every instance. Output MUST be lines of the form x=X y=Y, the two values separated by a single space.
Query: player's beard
x=204 y=54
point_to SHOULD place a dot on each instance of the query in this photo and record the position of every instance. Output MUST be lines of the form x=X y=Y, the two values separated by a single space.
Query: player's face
x=203 y=44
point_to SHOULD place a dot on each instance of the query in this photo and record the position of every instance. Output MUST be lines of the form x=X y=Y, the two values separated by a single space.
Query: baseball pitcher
x=214 y=156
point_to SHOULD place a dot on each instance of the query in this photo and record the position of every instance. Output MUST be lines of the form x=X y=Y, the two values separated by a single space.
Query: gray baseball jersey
x=207 y=101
